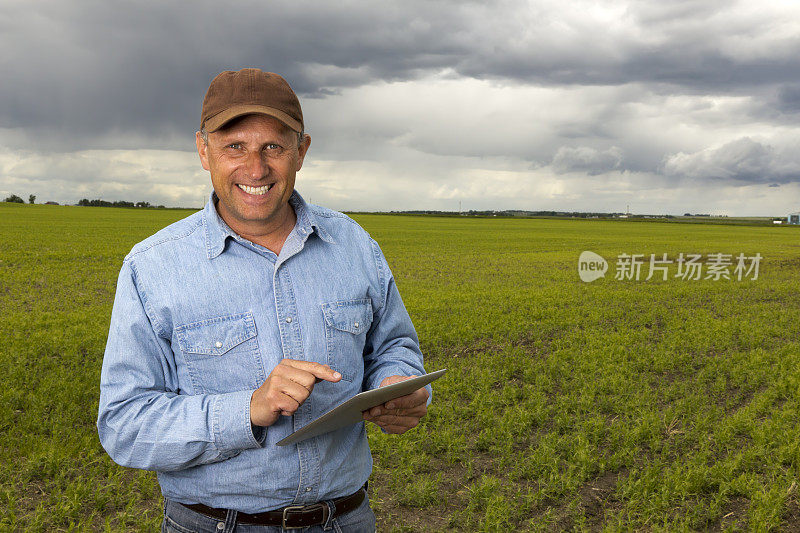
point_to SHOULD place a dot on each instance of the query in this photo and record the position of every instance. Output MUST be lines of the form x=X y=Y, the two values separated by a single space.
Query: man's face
x=253 y=161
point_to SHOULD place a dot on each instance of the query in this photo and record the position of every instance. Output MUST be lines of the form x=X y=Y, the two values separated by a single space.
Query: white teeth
x=255 y=190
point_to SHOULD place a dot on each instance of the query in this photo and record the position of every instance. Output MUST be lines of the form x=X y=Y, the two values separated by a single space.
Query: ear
x=202 y=150
x=302 y=149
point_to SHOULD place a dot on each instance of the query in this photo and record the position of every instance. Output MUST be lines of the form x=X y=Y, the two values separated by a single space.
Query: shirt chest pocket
x=221 y=353
x=346 y=325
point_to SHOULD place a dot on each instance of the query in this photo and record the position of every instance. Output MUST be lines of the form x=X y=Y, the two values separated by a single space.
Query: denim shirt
x=200 y=319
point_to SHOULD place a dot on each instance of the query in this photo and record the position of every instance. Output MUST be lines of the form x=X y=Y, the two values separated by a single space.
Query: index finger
x=319 y=370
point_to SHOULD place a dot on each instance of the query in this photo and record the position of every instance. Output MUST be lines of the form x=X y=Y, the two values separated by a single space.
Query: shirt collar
x=217 y=230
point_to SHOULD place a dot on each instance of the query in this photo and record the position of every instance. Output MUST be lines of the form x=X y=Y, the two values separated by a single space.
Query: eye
x=235 y=146
x=273 y=149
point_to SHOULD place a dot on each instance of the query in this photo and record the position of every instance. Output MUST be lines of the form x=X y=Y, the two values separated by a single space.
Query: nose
x=257 y=166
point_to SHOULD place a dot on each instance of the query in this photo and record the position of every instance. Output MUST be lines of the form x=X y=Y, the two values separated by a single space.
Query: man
x=244 y=322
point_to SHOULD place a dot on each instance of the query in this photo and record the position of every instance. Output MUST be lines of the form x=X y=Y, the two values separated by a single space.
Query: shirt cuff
x=233 y=431
x=385 y=371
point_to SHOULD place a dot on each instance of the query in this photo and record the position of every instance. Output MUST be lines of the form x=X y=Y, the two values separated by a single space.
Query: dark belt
x=289 y=517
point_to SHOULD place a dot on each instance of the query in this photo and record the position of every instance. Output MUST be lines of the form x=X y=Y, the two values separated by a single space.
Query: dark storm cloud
x=788 y=100
x=744 y=160
x=100 y=71
x=125 y=75
x=585 y=159
x=498 y=104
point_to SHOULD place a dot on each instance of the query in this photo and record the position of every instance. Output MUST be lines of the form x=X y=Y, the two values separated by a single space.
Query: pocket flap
x=354 y=316
x=216 y=336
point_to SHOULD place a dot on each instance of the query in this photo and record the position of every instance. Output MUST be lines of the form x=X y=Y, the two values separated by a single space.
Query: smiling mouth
x=258 y=191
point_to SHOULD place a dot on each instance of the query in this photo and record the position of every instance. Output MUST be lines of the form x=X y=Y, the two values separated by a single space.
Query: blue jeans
x=179 y=519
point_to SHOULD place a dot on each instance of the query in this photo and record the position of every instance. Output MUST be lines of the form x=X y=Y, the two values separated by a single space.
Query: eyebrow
x=237 y=139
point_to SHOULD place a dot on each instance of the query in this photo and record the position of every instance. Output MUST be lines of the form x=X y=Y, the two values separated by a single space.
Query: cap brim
x=217 y=121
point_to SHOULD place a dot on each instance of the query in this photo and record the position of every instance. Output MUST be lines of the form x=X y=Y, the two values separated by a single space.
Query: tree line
x=121 y=203
x=17 y=200
x=86 y=202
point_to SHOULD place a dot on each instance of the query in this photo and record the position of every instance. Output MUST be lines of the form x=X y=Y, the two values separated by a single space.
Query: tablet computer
x=350 y=411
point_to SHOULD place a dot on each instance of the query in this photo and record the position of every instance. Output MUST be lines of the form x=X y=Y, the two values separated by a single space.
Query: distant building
x=794 y=218
x=51 y=203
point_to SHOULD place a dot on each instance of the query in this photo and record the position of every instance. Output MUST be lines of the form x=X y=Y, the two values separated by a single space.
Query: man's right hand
x=286 y=388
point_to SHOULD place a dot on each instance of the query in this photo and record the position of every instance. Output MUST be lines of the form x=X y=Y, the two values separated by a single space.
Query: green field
x=612 y=405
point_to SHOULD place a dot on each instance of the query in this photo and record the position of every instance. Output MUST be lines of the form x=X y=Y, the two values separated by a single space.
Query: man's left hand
x=401 y=414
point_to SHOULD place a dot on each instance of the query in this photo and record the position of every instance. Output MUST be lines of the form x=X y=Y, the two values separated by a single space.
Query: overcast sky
x=666 y=106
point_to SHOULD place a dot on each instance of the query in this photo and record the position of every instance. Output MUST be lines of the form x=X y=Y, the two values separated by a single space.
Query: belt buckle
x=285 y=510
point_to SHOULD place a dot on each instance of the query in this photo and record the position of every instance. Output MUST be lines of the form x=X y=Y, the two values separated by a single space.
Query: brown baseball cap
x=250 y=90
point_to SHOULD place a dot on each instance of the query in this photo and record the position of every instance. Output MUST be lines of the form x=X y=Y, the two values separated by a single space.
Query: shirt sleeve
x=142 y=421
x=392 y=346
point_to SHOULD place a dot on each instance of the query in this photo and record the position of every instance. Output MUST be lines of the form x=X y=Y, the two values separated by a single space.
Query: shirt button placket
x=292 y=348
